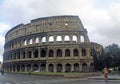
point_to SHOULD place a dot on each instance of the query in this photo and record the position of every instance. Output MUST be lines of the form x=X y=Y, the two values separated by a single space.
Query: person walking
x=106 y=73
x=2 y=72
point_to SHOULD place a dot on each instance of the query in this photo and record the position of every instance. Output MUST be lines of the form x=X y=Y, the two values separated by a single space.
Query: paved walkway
x=110 y=77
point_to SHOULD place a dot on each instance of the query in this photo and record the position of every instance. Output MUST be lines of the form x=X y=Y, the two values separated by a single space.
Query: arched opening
x=82 y=38
x=67 y=52
x=59 y=53
x=36 y=54
x=67 y=68
x=23 y=54
x=51 y=39
x=43 y=39
x=14 y=56
x=10 y=68
x=75 y=52
x=18 y=68
x=25 y=42
x=84 y=67
x=23 y=68
x=59 y=38
x=35 y=67
x=18 y=55
x=42 y=67
x=43 y=53
x=14 y=68
x=83 y=52
x=30 y=41
x=28 y=67
x=29 y=54
x=37 y=40
x=67 y=38
x=74 y=38
x=51 y=53
x=92 y=68
x=76 y=67
x=59 y=67
x=51 y=68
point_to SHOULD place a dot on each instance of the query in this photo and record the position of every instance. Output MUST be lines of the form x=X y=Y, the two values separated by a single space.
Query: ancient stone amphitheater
x=49 y=44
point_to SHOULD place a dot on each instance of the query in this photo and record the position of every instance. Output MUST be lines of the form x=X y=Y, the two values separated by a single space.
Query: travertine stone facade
x=51 y=44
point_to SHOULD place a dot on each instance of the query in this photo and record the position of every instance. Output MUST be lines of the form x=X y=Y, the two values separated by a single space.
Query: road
x=36 y=79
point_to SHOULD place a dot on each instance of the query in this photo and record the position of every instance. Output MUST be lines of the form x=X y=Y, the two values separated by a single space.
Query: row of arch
x=46 y=53
x=44 y=39
x=52 y=68
x=52 y=39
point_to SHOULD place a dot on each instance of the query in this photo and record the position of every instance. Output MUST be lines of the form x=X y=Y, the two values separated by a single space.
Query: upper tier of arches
x=33 y=40
x=47 y=24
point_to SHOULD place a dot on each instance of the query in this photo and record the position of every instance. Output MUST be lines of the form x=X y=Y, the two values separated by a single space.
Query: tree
x=112 y=55
x=97 y=60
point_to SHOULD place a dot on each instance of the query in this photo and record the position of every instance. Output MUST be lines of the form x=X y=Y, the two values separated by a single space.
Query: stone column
x=80 y=66
x=78 y=39
x=55 y=37
x=47 y=39
x=46 y=67
x=25 y=68
x=86 y=39
x=34 y=40
x=38 y=52
x=71 y=40
x=26 y=53
x=32 y=53
x=88 y=52
x=63 y=67
x=72 y=67
x=40 y=40
x=63 y=38
x=71 y=53
x=63 y=53
x=55 y=67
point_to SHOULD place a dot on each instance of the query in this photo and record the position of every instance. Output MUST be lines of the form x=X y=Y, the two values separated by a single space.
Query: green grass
x=49 y=73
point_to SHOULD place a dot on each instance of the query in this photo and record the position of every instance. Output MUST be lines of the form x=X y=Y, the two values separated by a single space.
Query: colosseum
x=49 y=44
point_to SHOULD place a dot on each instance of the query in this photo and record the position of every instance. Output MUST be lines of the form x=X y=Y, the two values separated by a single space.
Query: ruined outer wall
x=47 y=24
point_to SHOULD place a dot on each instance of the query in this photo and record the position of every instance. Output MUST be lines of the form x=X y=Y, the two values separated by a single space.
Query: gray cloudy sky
x=100 y=17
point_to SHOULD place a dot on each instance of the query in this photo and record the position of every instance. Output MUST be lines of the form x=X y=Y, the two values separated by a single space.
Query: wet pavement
x=37 y=79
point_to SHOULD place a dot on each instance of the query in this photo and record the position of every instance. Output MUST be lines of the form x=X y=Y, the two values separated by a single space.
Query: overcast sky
x=100 y=17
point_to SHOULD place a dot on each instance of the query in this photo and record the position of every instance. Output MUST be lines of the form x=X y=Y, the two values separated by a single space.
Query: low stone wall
x=80 y=75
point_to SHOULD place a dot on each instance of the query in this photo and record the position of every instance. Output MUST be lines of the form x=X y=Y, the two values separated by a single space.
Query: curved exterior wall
x=51 y=44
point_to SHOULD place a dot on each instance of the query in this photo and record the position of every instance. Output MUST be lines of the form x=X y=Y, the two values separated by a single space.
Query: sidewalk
x=101 y=77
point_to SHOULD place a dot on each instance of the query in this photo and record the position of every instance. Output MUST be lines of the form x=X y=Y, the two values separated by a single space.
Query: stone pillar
x=55 y=67
x=31 y=66
x=86 y=39
x=40 y=40
x=47 y=39
x=88 y=52
x=38 y=52
x=72 y=67
x=80 y=53
x=34 y=40
x=55 y=37
x=55 y=53
x=71 y=53
x=46 y=67
x=78 y=39
x=63 y=53
x=63 y=39
x=25 y=68
x=71 y=40
x=80 y=66
x=32 y=53
x=63 y=67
